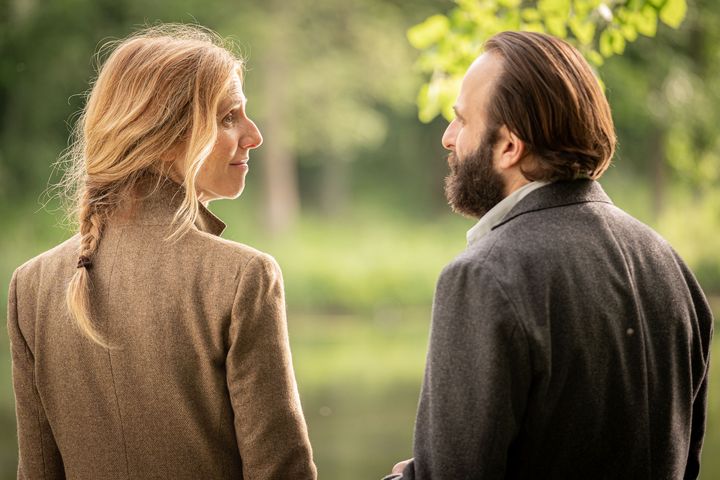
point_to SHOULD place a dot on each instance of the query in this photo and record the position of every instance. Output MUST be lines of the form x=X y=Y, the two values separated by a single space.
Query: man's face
x=474 y=186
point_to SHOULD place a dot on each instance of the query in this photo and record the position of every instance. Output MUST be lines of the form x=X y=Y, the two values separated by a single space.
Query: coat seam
x=642 y=324
x=112 y=373
x=28 y=356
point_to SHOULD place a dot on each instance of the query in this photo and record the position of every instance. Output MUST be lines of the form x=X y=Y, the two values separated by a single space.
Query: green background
x=368 y=231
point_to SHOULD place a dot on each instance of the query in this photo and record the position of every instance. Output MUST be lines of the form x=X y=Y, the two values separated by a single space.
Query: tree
x=598 y=28
x=323 y=71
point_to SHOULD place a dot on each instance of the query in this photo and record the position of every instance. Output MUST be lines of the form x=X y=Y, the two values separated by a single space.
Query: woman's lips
x=242 y=163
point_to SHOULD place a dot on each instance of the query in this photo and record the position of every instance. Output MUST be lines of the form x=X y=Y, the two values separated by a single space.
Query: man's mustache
x=452 y=161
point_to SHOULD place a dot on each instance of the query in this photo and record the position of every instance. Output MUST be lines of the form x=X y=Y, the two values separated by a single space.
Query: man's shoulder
x=561 y=227
x=543 y=241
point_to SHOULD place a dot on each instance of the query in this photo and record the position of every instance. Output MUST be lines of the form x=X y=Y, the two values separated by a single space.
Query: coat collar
x=158 y=201
x=558 y=194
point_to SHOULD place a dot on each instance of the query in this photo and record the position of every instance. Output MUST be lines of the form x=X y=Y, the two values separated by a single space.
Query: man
x=568 y=340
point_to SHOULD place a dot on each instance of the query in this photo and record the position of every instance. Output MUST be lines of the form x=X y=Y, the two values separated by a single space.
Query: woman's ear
x=509 y=150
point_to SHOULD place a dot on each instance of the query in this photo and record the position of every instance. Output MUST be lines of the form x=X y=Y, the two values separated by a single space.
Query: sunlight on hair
x=150 y=113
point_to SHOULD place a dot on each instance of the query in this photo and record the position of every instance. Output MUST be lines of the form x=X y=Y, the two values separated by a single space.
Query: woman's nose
x=252 y=138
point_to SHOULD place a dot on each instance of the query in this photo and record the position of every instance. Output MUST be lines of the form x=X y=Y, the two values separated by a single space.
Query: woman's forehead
x=234 y=94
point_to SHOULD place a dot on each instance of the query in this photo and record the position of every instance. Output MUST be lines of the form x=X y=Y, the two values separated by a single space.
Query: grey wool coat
x=200 y=383
x=569 y=342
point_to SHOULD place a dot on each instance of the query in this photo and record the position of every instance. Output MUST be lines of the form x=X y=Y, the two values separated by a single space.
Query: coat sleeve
x=269 y=423
x=476 y=383
x=38 y=454
x=701 y=364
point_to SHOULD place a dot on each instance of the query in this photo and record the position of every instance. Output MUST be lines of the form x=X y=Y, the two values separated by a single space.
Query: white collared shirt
x=498 y=212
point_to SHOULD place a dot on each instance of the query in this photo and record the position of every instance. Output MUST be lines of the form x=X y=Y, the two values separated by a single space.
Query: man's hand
x=400 y=466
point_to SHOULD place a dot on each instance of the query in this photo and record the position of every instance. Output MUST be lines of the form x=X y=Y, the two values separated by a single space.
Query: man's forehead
x=479 y=79
x=484 y=70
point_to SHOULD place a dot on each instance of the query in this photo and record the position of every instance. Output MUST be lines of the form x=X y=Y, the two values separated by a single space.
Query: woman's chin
x=224 y=194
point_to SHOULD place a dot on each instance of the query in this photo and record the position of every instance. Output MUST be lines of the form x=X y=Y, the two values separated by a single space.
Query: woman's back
x=198 y=380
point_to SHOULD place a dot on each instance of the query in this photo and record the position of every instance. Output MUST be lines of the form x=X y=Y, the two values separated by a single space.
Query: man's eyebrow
x=457 y=114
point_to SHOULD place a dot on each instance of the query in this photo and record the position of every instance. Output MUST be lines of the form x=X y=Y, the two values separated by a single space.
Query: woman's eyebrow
x=233 y=103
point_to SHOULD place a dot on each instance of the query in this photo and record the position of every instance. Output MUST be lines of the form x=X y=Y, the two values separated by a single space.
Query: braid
x=157 y=90
x=91 y=226
x=91 y=219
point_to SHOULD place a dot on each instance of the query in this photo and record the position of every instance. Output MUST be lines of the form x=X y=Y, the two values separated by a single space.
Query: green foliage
x=381 y=270
x=358 y=348
x=665 y=96
x=599 y=28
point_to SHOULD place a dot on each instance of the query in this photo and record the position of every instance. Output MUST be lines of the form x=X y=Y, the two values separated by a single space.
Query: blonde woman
x=146 y=346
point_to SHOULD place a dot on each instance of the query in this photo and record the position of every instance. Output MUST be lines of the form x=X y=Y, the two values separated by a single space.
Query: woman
x=146 y=346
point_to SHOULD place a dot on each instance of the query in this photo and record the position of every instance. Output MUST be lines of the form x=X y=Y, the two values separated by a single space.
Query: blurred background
x=346 y=191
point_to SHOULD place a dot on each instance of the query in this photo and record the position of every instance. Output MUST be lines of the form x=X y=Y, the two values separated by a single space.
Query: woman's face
x=222 y=175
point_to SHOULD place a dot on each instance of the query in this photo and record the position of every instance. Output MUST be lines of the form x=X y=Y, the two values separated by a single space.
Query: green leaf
x=673 y=12
x=646 y=21
x=429 y=32
x=629 y=32
x=530 y=15
x=428 y=108
x=510 y=20
x=556 y=26
x=510 y=3
x=438 y=96
x=595 y=58
x=534 y=27
x=606 y=44
x=583 y=31
x=618 y=41
x=582 y=8
x=557 y=7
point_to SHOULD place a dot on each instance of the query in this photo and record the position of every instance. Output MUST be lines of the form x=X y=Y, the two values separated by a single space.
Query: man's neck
x=515 y=182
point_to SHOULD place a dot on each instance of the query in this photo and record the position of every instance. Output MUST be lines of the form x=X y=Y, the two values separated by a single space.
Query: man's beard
x=473 y=186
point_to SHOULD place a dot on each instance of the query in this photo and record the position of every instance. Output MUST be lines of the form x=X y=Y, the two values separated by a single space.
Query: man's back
x=569 y=342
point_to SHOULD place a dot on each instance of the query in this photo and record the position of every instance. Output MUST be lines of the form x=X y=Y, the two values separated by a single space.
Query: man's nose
x=448 y=138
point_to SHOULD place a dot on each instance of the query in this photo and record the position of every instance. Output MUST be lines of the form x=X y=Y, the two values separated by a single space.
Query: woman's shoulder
x=236 y=252
x=51 y=261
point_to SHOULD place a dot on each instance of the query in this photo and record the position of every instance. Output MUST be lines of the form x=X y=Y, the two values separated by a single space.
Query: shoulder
x=222 y=251
x=51 y=261
x=473 y=275
x=556 y=231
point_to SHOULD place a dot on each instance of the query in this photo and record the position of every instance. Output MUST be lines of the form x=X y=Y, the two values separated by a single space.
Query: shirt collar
x=496 y=214
x=160 y=199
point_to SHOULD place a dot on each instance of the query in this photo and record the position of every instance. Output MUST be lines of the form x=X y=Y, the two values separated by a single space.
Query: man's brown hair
x=549 y=97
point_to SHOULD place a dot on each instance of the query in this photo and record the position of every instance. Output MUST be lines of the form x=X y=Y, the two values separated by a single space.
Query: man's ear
x=509 y=150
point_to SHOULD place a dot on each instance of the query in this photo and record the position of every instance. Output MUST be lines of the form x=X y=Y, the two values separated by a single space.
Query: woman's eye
x=229 y=119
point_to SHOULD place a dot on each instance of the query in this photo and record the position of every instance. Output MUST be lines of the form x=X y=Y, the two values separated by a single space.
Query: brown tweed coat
x=199 y=383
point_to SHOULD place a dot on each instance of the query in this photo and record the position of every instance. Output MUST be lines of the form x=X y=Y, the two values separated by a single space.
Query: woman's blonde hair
x=155 y=98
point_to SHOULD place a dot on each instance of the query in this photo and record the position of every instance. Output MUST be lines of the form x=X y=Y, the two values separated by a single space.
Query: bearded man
x=568 y=340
